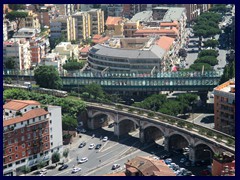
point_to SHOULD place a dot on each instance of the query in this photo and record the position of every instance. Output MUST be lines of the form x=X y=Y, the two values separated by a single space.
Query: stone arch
x=157 y=126
x=127 y=124
x=152 y=133
x=202 y=142
x=111 y=115
x=129 y=118
x=178 y=144
x=200 y=154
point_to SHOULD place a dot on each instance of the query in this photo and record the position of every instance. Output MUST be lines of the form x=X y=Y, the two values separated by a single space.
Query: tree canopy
x=208 y=52
x=73 y=65
x=182 y=53
x=199 y=66
x=171 y=107
x=69 y=123
x=211 y=60
x=47 y=77
x=95 y=90
x=17 y=17
x=9 y=63
x=16 y=6
x=221 y=8
x=211 y=43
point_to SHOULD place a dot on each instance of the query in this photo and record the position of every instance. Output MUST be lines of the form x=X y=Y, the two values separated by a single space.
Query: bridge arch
x=178 y=141
x=127 y=125
x=203 y=152
x=100 y=119
x=152 y=133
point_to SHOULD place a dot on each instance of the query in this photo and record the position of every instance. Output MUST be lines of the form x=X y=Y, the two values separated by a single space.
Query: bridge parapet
x=196 y=130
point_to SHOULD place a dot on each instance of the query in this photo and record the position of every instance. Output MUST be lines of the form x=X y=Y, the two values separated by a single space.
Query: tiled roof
x=113 y=20
x=28 y=115
x=19 y=104
x=174 y=23
x=116 y=174
x=85 y=49
x=97 y=36
x=149 y=166
x=165 y=42
x=157 y=31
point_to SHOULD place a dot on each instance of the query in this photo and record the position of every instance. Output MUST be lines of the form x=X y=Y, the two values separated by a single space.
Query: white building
x=54 y=59
x=67 y=49
x=19 y=50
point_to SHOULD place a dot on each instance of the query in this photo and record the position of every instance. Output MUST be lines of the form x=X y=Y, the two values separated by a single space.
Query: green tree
x=69 y=123
x=17 y=17
x=182 y=53
x=208 y=52
x=55 y=157
x=8 y=80
x=65 y=153
x=95 y=90
x=171 y=107
x=211 y=60
x=47 y=77
x=221 y=8
x=9 y=63
x=73 y=65
x=211 y=43
x=25 y=169
x=199 y=67
x=16 y=6
x=41 y=164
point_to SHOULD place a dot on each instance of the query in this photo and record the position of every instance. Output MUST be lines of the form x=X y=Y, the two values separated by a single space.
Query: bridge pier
x=116 y=129
x=141 y=134
x=192 y=156
x=90 y=123
x=166 y=143
x=203 y=97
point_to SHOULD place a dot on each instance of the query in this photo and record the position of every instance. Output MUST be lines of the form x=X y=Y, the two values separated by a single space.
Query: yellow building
x=224 y=107
x=130 y=27
x=67 y=49
x=31 y=20
x=83 y=25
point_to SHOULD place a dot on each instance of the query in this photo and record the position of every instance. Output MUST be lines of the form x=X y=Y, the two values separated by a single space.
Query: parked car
x=110 y=125
x=91 y=146
x=98 y=146
x=165 y=156
x=115 y=166
x=105 y=139
x=82 y=144
x=64 y=166
x=76 y=169
x=83 y=160
x=43 y=171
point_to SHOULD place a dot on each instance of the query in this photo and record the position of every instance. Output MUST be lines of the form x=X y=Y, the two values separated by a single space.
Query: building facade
x=31 y=21
x=28 y=135
x=224 y=107
x=67 y=49
x=96 y=21
x=58 y=27
x=18 y=50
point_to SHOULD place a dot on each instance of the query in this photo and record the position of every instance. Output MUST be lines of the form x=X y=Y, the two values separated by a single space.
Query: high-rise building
x=30 y=135
x=224 y=107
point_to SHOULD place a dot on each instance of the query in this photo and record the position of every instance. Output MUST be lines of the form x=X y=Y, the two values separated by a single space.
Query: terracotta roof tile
x=19 y=104
x=116 y=174
x=113 y=20
x=85 y=49
x=165 y=42
x=157 y=31
x=28 y=115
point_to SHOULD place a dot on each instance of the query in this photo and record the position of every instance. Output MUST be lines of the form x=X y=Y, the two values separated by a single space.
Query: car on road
x=64 y=166
x=43 y=171
x=91 y=146
x=83 y=160
x=110 y=125
x=76 y=169
x=82 y=144
x=115 y=166
x=105 y=139
x=98 y=146
x=157 y=158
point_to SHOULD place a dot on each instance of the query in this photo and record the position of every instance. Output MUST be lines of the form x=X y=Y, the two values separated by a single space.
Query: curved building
x=129 y=55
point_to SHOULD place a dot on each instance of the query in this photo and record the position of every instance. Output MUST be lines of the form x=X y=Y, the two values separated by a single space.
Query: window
x=16 y=140
x=23 y=145
x=46 y=130
x=39 y=118
x=18 y=162
x=46 y=144
x=21 y=123
x=16 y=148
x=10 y=158
x=9 y=142
x=29 y=144
x=25 y=110
x=22 y=130
x=50 y=121
x=14 y=124
x=29 y=152
x=46 y=138
x=29 y=136
x=10 y=150
x=51 y=143
x=23 y=153
x=51 y=136
x=28 y=129
x=33 y=119
x=16 y=156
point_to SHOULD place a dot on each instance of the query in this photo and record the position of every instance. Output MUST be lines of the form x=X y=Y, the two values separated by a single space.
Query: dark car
x=64 y=166
x=82 y=144
x=110 y=125
x=98 y=146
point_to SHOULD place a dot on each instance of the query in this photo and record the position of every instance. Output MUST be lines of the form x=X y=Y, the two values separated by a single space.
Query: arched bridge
x=177 y=133
x=114 y=81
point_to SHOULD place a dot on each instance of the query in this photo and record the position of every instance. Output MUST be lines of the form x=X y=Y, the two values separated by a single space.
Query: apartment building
x=30 y=134
x=114 y=26
x=18 y=50
x=96 y=21
x=58 y=27
x=54 y=59
x=44 y=16
x=114 y=9
x=31 y=21
x=224 y=107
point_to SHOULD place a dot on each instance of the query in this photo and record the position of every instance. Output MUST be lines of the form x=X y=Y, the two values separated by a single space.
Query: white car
x=83 y=160
x=91 y=146
x=105 y=139
x=115 y=166
x=155 y=158
x=76 y=169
